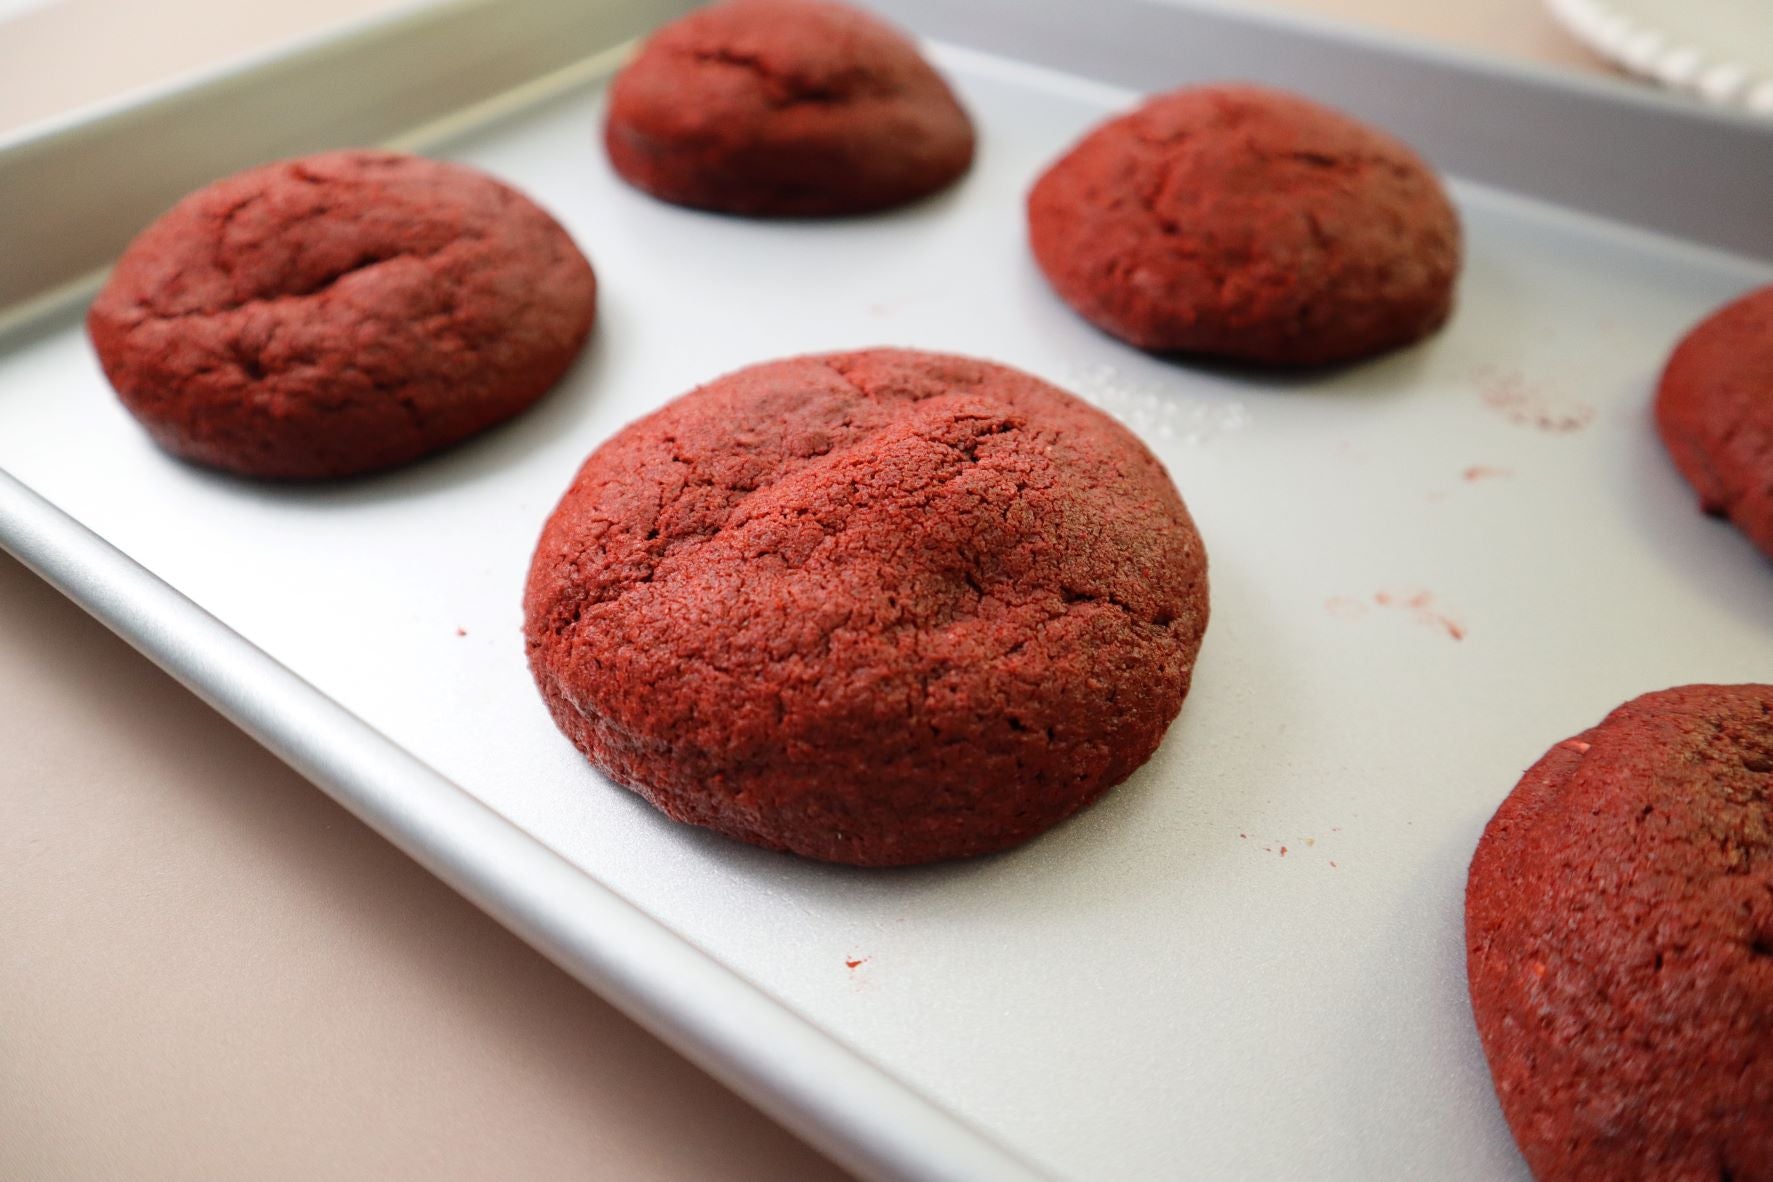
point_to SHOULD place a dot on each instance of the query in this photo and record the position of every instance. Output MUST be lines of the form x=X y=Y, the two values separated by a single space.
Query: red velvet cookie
x=1247 y=223
x=876 y=608
x=1619 y=930
x=1714 y=410
x=339 y=314
x=785 y=108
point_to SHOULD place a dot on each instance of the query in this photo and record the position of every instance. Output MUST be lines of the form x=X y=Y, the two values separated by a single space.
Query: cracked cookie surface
x=1247 y=223
x=339 y=314
x=1619 y=937
x=878 y=608
x=1714 y=411
x=785 y=108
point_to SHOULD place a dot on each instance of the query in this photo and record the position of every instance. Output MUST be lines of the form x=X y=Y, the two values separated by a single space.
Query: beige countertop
x=208 y=969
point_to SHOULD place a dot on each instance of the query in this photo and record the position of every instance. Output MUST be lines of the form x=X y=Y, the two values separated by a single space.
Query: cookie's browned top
x=1620 y=937
x=400 y=301
x=358 y=224
x=1714 y=408
x=763 y=445
x=790 y=52
x=941 y=599
x=921 y=499
x=785 y=107
x=1250 y=222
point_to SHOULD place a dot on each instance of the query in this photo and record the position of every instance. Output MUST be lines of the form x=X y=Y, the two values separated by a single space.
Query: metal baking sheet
x=1246 y=961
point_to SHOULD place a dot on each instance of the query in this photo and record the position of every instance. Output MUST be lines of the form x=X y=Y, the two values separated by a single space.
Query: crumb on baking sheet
x=1507 y=392
x=1479 y=472
x=1422 y=605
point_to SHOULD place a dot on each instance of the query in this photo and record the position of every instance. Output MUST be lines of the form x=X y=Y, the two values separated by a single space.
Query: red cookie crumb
x=1508 y=393
x=1426 y=611
x=1247 y=223
x=877 y=608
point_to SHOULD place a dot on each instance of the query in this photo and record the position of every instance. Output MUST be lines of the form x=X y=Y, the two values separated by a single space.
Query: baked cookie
x=339 y=314
x=876 y=608
x=1714 y=410
x=785 y=108
x=1619 y=930
x=1247 y=223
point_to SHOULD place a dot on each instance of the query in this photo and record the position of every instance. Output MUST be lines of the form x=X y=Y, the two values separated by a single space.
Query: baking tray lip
x=863 y=1117
x=1616 y=90
x=188 y=84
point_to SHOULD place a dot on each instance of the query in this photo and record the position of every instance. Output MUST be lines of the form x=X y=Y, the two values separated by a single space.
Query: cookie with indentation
x=1714 y=410
x=785 y=108
x=877 y=608
x=1247 y=223
x=339 y=314
x=1619 y=940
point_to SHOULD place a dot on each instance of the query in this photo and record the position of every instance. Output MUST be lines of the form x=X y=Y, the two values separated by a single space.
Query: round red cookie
x=1619 y=930
x=1247 y=223
x=1714 y=409
x=876 y=608
x=785 y=108
x=339 y=314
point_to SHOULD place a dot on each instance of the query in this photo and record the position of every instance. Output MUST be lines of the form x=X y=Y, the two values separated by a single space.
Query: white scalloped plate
x=1719 y=50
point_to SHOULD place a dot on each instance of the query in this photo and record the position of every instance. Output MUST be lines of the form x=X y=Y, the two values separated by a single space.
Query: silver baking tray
x=1246 y=961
